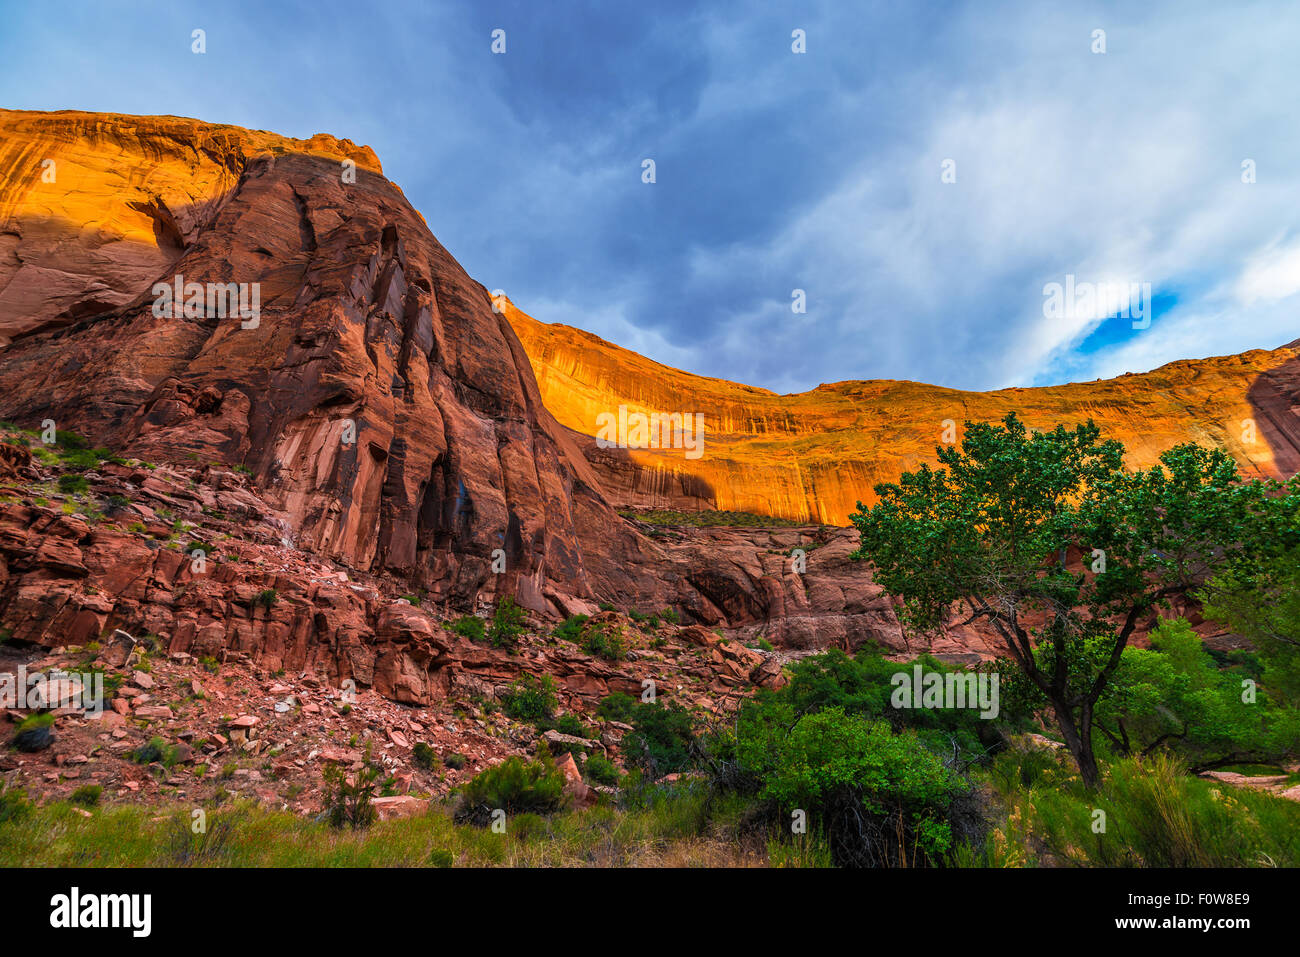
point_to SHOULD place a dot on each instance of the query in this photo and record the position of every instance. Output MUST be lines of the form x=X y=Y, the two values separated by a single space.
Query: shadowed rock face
x=813 y=456
x=367 y=326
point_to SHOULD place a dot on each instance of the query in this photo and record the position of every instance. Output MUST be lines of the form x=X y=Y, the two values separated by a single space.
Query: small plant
x=87 y=795
x=348 y=798
x=71 y=484
x=507 y=624
x=530 y=699
x=617 y=707
x=470 y=627
x=424 y=756
x=601 y=769
x=571 y=628
x=454 y=761
x=156 y=750
x=516 y=786
x=440 y=857
x=602 y=641
x=266 y=598
x=572 y=724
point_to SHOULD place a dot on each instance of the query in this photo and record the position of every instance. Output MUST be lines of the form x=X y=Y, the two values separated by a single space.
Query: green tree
x=1048 y=539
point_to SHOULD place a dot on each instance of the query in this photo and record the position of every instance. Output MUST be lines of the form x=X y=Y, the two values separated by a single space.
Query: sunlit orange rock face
x=812 y=456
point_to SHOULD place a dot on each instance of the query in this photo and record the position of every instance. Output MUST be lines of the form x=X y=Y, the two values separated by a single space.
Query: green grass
x=1156 y=815
x=671 y=831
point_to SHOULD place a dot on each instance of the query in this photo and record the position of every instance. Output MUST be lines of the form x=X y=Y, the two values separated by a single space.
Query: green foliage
x=348 y=797
x=156 y=750
x=71 y=484
x=87 y=795
x=531 y=698
x=454 y=761
x=70 y=440
x=603 y=641
x=991 y=530
x=1156 y=816
x=507 y=624
x=14 y=805
x=266 y=598
x=424 y=756
x=516 y=786
x=617 y=707
x=572 y=724
x=661 y=740
x=571 y=628
x=1260 y=600
x=601 y=770
x=471 y=627
x=886 y=799
x=1173 y=695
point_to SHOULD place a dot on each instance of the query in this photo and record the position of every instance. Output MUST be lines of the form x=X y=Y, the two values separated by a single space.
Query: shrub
x=470 y=627
x=87 y=795
x=531 y=699
x=454 y=761
x=155 y=750
x=670 y=615
x=507 y=624
x=440 y=857
x=70 y=440
x=266 y=598
x=617 y=707
x=71 y=484
x=602 y=641
x=424 y=756
x=348 y=797
x=886 y=800
x=571 y=628
x=661 y=740
x=572 y=724
x=601 y=769
x=516 y=786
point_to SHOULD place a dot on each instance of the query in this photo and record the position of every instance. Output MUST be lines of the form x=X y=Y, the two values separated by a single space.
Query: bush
x=571 y=628
x=439 y=857
x=470 y=627
x=572 y=724
x=266 y=598
x=531 y=699
x=507 y=624
x=601 y=769
x=516 y=786
x=661 y=740
x=348 y=797
x=70 y=440
x=71 y=484
x=601 y=641
x=424 y=756
x=87 y=795
x=155 y=750
x=885 y=799
x=454 y=761
x=617 y=707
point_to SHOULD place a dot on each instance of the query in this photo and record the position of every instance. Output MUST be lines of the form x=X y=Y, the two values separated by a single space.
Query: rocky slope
x=814 y=455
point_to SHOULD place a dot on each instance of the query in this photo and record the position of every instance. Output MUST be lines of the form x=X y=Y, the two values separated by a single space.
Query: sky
x=922 y=172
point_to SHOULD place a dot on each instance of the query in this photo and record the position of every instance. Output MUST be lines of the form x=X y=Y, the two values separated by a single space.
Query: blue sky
x=819 y=171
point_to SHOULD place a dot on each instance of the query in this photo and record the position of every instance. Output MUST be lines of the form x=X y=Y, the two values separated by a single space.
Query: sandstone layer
x=814 y=455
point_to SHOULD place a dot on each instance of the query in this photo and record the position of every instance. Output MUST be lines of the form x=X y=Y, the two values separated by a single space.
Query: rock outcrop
x=377 y=398
x=813 y=456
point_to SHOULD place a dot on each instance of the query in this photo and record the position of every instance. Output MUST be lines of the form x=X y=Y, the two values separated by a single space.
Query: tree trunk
x=1078 y=738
